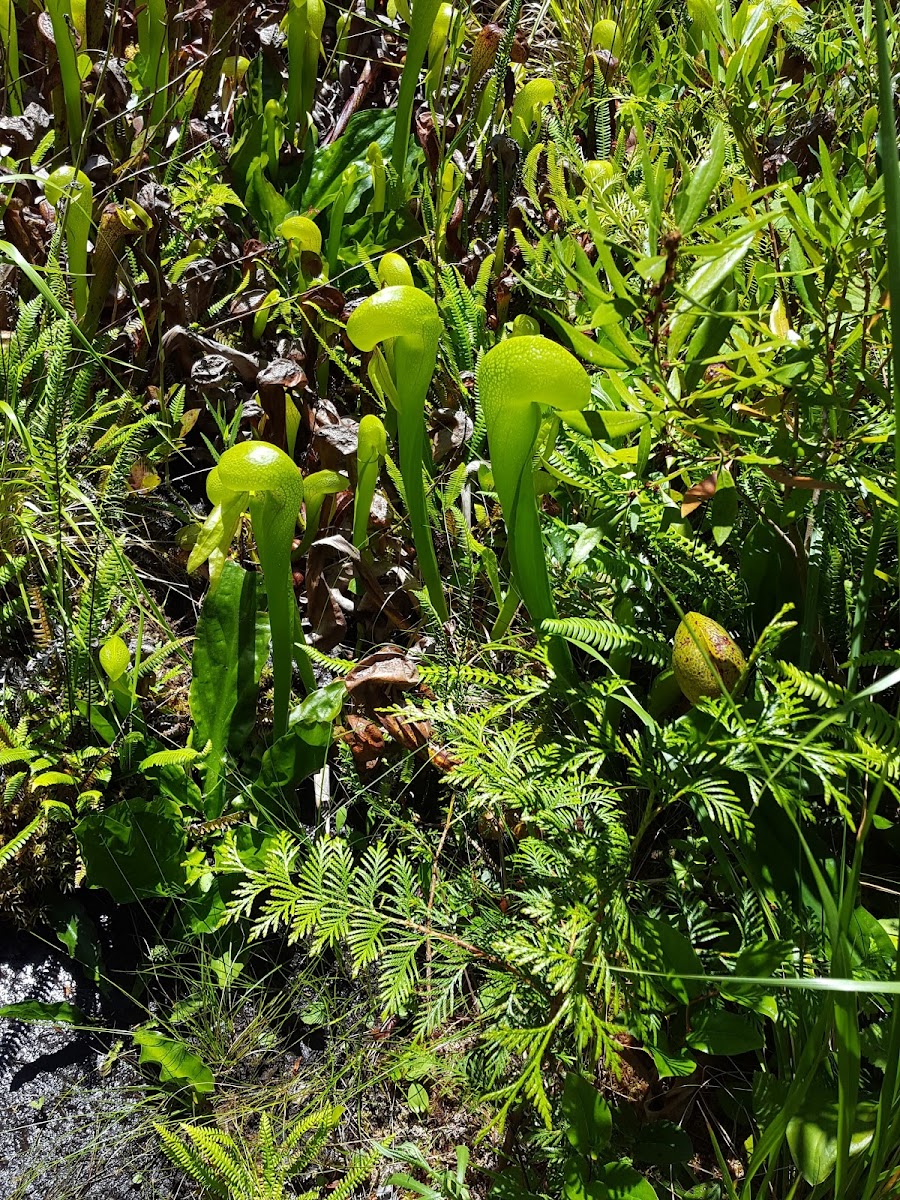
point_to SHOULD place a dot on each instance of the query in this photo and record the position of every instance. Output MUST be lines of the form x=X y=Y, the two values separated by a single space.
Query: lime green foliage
x=393 y=271
x=153 y=44
x=424 y=15
x=113 y=845
x=71 y=188
x=606 y=35
x=261 y=476
x=176 y=1065
x=305 y=21
x=407 y=318
x=349 y=177
x=529 y=101
x=200 y=195
x=653 y=353
x=225 y=670
x=442 y=1185
x=375 y=161
x=316 y=488
x=114 y=658
x=60 y=12
x=447 y=22
x=302 y=236
x=372 y=448
x=261 y=1167
x=516 y=380
x=10 y=40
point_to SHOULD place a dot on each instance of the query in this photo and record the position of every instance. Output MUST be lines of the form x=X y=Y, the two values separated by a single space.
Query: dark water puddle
x=76 y=1109
x=72 y=1124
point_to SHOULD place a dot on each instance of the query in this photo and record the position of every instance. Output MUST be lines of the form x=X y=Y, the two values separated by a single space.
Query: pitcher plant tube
x=64 y=35
x=316 y=488
x=10 y=43
x=304 y=24
x=409 y=317
x=263 y=478
x=421 y=27
x=371 y=449
x=516 y=379
x=65 y=183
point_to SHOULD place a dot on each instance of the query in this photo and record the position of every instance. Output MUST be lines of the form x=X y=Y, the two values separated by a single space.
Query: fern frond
x=607 y=635
x=185 y=756
x=21 y=839
x=813 y=687
x=360 y=1169
x=189 y=1162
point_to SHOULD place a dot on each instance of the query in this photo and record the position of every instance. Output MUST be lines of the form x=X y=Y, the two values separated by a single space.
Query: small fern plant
x=261 y=1167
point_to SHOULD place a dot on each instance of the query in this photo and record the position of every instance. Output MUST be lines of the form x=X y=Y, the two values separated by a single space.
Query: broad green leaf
x=588 y=1116
x=803 y=277
x=869 y=935
x=725 y=1033
x=662 y=1144
x=762 y=959
x=641 y=78
x=587 y=542
x=604 y=425
x=134 y=849
x=709 y=337
x=644 y=446
x=779 y=322
x=78 y=934
x=264 y=202
x=582 y=345
x=363 y=128
x=60 y=1012
x=669 y=951
x=319 y=707
x=217 y=530
x=302 y=751
x=575 y=1179
x=652 y=269
x=620 y=1181
x=812 y=1134
x=723 y=509
x=670 y=1065
x=177 y=1064
x=226 y=967
x=874 y=1044
x=202 y=907
x=705 y=16
x=694 y=195
x=228 y=657
x=701 y=285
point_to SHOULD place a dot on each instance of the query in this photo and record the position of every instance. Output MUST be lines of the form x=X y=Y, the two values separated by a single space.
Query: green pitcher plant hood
x=263 y=478
x=516 y=379
x=408 y=317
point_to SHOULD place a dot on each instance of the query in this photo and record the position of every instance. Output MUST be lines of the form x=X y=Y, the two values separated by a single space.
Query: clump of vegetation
x=448 y=579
